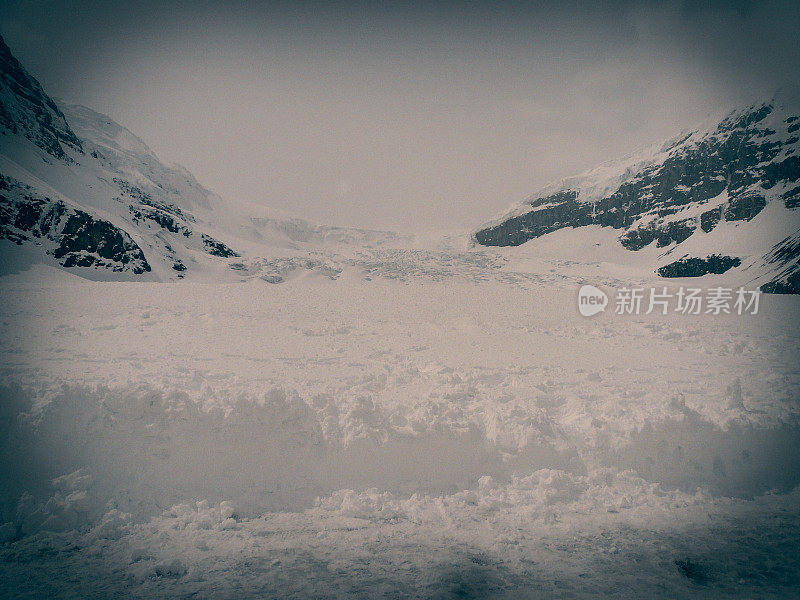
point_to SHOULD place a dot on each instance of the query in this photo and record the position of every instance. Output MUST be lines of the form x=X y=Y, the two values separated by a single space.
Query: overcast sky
x=409 y=117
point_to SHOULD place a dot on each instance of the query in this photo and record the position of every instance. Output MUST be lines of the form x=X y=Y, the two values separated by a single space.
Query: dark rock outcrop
x=697 y=267
x=33 y=113
x=741 y=155
x=217 y=248
x=785 y=256
x=79 y=238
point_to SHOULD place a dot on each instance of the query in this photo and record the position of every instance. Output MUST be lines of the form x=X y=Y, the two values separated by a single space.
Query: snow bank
x=139 y=450
x=394 y=436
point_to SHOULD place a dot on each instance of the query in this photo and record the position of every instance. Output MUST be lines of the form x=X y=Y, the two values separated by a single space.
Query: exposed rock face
x=728 y=172
x=742 y=156
x=84 y=188
x=217 y=248
x=697 y=267
x=786 y=256
x=24 y=107
x=78 y=239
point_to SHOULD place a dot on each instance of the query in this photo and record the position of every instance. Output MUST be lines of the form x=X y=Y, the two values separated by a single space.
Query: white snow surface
x=750 y=240
x=414 y=422
x=340 y=413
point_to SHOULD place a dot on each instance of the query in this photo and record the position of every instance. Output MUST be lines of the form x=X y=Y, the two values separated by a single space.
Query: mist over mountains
x=731 y=188
x=83 y=193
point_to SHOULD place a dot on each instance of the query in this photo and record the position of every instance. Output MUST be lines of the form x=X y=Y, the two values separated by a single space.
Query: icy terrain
x=248 y=405
x=80 y=191
x=726 y=188
x=417 y=423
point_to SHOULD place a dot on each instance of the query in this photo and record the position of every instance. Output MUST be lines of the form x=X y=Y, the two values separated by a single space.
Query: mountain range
x=725 y=196
x=81 y=192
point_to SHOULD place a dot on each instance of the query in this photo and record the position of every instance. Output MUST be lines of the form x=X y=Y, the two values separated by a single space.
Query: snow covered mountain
x=79 y=191
x=722 y=197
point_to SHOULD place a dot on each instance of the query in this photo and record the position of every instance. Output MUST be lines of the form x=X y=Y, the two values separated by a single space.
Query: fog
x=405 y=118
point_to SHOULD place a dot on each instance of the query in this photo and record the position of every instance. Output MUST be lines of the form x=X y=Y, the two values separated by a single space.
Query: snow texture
x=201 y=398
x=430 y=435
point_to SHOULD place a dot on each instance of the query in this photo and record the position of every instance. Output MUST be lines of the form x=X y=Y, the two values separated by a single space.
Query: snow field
x=411 y=438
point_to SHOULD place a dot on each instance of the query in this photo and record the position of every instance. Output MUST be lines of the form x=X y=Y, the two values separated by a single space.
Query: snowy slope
x=425 y=436
x=58 y=164
x=402 y=417
x=139 y=218
x=730 y=188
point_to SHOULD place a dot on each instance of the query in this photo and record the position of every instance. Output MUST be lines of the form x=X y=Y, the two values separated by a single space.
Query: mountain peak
x=673 y=196
x=27 y=110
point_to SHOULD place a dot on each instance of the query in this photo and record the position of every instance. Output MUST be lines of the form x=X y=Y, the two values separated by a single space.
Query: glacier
x=201 y=397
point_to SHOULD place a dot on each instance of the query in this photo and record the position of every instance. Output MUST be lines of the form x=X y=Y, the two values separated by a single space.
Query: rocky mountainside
x=72 y=236
x=26 y=109
x=726 y=195
x=79 y=190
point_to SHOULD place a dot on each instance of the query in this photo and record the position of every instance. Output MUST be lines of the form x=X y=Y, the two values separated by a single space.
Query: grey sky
x=407 y=117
